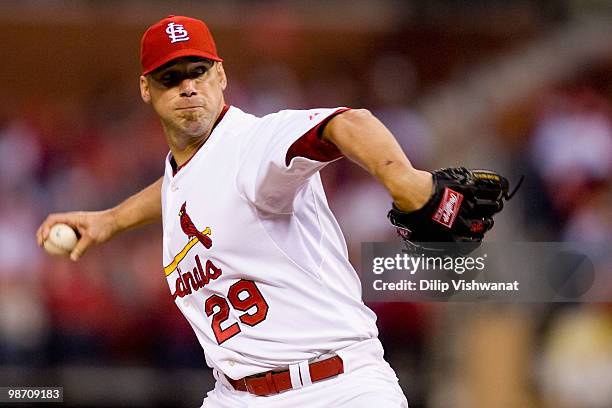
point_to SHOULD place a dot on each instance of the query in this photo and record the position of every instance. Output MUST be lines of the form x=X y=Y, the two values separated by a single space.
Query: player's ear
x=221 y=73
x=145 y=92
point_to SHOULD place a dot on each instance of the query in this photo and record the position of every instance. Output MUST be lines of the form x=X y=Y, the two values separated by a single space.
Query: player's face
x=187 y=94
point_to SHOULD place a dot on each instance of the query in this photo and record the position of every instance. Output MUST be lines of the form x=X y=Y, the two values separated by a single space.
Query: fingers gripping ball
x=61 y=240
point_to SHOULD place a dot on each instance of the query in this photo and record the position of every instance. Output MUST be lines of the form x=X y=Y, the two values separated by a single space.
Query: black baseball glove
x=458 y=214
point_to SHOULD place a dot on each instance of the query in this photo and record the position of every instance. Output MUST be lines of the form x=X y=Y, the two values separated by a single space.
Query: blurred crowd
x=113 y=308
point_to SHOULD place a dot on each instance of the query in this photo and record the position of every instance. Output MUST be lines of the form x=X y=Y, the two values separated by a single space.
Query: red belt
x=278 y=381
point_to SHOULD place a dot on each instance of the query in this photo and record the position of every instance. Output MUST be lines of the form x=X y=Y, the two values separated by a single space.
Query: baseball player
x=252 y=254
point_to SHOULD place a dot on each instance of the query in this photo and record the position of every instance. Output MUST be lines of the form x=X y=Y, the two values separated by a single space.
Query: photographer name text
x=437 y=285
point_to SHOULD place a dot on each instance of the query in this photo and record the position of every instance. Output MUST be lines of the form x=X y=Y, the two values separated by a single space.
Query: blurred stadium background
x=523 y=87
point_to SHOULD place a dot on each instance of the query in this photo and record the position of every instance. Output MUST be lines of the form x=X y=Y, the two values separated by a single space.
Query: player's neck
x=184 y=148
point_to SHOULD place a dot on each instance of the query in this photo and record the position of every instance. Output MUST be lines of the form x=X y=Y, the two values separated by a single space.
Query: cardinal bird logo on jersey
x=190 y=229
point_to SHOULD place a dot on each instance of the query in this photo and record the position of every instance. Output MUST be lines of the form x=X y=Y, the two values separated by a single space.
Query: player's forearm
x=366 y=141
x=142 y=208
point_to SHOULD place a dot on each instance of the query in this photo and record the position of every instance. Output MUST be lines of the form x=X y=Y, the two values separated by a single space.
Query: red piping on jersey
x=176 y=169
x=311 y=146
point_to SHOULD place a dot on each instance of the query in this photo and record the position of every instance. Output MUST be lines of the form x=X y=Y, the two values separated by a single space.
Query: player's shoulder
x=283 y=123
x=281 y=114
x=300 y=112
x=236 y=115
x=296 y=116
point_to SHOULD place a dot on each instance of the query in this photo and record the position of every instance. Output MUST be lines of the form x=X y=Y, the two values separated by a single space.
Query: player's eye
x=197 y=72
x=170 y=79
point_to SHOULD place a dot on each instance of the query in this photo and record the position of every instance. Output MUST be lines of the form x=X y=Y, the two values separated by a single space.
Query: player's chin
x=186 y=115
x=192 y=125
x=191 y=114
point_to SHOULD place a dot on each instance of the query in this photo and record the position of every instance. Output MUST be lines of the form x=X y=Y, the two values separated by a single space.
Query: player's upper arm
x=336 y=128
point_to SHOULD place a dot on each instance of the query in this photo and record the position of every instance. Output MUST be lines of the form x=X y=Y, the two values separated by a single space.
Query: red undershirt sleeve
x=311 y=146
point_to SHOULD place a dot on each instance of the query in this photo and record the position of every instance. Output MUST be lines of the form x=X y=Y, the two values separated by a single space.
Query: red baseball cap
x=175 y=37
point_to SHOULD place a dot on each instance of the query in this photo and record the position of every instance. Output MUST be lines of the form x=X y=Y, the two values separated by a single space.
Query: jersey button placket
x=173 y=207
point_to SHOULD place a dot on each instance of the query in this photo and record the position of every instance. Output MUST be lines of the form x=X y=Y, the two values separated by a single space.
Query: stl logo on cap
x=176 y=32
x=175 y=37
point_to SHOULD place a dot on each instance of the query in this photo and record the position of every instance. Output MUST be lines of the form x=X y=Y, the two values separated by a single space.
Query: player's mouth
x=190 y=107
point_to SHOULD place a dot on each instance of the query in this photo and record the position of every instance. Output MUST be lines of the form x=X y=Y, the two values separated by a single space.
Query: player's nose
x=187 y=87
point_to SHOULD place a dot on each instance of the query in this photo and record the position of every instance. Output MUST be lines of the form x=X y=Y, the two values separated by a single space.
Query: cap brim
x=186 y=52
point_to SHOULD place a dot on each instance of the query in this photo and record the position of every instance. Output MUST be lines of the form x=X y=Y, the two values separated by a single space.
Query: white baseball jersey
x=252 y=253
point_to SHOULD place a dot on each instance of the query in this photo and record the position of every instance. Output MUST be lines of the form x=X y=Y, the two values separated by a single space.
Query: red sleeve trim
x=311 y=146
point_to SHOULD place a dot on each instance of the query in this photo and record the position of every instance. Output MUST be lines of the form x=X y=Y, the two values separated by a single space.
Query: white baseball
x=61 y=240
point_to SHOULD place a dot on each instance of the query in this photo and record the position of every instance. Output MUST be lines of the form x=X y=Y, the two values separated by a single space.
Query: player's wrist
x=113 y=223
x=413 y=190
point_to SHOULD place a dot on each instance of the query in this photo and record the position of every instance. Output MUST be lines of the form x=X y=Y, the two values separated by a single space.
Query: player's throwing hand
x=93 y=227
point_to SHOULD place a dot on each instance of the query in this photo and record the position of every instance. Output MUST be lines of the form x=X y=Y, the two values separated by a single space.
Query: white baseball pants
x=368 y=381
